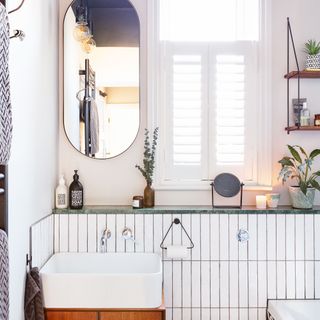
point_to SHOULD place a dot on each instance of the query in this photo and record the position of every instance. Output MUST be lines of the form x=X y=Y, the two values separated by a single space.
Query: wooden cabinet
x=132 y=315
x=71 y=315
x=155 y=314
x=107 y=314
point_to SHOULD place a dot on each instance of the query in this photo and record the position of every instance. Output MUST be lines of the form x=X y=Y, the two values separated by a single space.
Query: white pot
x=300 y=200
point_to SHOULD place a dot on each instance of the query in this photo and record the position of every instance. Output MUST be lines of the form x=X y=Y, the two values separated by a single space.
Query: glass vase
x=148 y=201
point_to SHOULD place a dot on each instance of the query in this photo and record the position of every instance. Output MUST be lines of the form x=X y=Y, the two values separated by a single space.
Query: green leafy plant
x=149 y=155
x=298 y=167
x=312 y=47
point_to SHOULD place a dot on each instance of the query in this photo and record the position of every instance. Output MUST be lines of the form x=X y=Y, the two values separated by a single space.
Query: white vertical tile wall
x=221 y=278
x=41 y=239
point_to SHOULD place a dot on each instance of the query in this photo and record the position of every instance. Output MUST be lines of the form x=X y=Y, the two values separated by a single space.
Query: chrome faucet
x=106 y=234
x=127 y=234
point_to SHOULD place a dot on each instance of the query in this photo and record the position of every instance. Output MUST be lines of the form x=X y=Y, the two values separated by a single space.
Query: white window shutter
x=186 y=89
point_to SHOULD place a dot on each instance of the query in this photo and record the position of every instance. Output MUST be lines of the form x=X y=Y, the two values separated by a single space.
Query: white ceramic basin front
x=294 y=309
x=102 y=280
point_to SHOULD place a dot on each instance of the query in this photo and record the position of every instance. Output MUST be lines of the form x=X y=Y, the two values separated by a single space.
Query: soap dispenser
x=76 y=192
x=61 y=194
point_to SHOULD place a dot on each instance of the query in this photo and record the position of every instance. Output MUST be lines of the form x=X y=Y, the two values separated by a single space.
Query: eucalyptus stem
x=149 y=155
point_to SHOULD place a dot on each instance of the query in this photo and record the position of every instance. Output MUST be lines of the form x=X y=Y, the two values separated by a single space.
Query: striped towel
x=4 y=276
x=5 y=104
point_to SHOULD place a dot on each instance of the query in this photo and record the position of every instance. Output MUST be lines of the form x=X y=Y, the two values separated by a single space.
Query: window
x=209 y=92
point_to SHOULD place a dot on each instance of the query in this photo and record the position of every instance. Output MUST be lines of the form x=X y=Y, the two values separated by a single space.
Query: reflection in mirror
x=101 y=76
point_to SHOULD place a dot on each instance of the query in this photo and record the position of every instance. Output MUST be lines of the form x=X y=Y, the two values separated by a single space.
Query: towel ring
x=176 y=221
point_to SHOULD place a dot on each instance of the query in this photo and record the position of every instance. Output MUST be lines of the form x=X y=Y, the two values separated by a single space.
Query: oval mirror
x=101 y=76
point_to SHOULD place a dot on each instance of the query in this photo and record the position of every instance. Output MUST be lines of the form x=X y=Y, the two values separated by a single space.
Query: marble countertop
x=185 y=210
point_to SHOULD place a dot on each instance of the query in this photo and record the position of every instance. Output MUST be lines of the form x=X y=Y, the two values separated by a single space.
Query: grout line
x=257 y=263
x=314 y=257
x=200 y=247
x=87 y=232
x=228 y=267
x=238 y=227
x=172 y=271
x=219 y=223
x=285 y=256
x=78 y=233
x=248 y=296
x=181 y=302
x=210 y=266
x=276 y=228
x=267 y=264
x=295 y=256
x=305 y=254
x=97 y=240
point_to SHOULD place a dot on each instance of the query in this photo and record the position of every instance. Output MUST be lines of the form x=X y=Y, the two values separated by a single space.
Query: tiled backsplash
x=42 y=241
x=222 y=278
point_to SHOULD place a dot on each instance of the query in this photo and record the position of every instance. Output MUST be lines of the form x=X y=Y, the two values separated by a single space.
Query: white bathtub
x=102 y=280
x=294 y=309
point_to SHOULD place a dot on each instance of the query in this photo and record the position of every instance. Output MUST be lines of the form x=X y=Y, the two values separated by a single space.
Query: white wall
x=32 y=168
x=115 y=181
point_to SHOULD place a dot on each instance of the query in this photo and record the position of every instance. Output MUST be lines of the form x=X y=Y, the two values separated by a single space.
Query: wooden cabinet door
x=131 y=315
x=71 y=315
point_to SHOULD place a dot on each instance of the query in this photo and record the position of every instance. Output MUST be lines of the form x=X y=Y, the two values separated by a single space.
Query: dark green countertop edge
x=185 y=210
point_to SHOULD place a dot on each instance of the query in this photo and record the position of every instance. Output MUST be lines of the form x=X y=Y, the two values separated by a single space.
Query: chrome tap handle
x=106 y=234
x=127 y=234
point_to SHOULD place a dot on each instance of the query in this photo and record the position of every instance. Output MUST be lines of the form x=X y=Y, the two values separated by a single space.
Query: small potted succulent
x=148 y=166
x=298 y=166
x=312 y=49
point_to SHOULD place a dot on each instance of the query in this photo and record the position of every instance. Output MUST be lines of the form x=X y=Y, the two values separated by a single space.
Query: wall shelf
x=304 y=128
x=296 y=74
x=305 y=74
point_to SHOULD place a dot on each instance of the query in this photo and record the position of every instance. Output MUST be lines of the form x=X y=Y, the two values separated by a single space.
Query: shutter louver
x=230 y=110
x=187 y=105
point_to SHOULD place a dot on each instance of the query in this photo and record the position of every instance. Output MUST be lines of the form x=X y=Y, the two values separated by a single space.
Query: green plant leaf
x=317 y=173
x=295 y=153
x=302 y=151
x=312 y=47
x=286 y=161
x=315 y=184
x=314 y=153
x=303 y=187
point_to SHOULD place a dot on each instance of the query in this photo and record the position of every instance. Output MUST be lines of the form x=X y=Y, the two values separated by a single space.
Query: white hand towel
x=177 y=252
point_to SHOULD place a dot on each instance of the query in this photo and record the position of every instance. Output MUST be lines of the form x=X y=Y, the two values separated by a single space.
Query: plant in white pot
x=312 y=49
x=298 y=167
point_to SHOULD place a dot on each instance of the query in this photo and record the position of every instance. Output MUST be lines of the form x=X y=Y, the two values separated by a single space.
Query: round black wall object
x=227 y=185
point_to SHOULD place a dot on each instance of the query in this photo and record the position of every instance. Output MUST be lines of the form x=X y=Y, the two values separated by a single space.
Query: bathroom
x=221 y=278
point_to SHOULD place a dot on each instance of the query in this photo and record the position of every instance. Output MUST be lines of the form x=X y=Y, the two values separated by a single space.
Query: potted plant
x=312 y=49
x=148 y=166
x=298 y=166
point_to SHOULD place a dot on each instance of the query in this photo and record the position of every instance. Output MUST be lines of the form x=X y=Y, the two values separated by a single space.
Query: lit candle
x=261 y=202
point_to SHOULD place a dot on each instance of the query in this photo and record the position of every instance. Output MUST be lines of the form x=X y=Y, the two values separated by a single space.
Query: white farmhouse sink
x=102 y=280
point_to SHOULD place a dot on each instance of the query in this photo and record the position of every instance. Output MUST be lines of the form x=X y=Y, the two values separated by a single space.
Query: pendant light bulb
x=81 y=32
x=88 y=45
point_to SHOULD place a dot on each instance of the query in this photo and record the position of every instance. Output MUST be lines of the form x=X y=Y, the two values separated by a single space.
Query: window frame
x=156 y=114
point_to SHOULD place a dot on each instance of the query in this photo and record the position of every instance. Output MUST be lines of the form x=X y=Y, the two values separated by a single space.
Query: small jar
x=317 y=119
x=137 y=202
